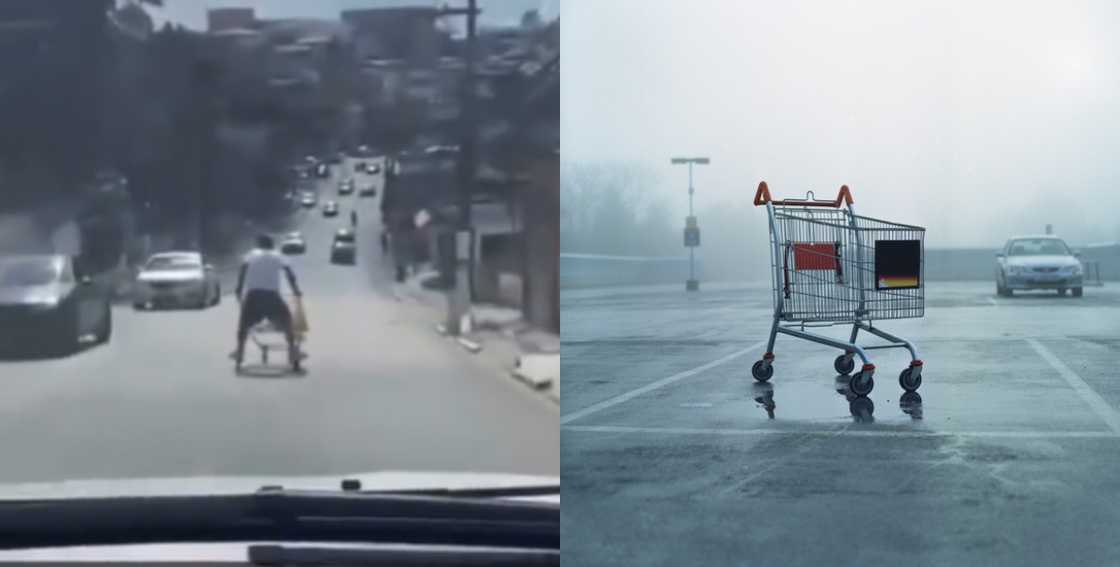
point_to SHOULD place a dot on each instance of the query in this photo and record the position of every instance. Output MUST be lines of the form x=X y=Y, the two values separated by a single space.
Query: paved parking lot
x=671 y=454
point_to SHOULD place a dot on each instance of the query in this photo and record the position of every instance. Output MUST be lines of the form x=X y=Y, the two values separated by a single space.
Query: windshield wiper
x=274 y=513
x=304 y=555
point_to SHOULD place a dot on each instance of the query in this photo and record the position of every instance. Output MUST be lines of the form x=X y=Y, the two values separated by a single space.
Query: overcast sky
x=975 y=119
x=192 y=13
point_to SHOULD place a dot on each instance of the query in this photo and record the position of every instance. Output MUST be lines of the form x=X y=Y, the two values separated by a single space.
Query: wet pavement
x=672 y=454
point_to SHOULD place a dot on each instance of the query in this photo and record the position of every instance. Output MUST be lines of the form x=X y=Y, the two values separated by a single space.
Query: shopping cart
x=831 y=266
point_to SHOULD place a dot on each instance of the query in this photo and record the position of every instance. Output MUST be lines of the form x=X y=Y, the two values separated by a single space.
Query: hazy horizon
x=976 y=121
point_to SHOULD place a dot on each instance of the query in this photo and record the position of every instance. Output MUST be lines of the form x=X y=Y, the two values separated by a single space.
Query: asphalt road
x=382 y=391
x=672 y=455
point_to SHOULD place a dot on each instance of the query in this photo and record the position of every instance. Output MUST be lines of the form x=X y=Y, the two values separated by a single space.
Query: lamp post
x=691 y=229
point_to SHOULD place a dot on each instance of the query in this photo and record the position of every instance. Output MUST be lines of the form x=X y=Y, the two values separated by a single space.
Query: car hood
x=55 y=291
x=1042 y=261
x=232 y=485
x=170 y=275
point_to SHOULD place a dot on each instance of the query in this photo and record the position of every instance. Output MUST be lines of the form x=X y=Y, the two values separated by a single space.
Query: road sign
x=692 y=236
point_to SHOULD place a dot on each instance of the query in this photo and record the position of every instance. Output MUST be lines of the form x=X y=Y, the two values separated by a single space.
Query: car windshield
x=182 y=161
x=1038 y=247
x=172 y=263
x=18 y=272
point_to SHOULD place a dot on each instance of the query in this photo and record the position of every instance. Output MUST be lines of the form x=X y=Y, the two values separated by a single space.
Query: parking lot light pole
x=691 y=229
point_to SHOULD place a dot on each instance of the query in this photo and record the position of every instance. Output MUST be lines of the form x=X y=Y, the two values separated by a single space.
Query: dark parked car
x=344 y=248
x=373 y=168
x=44 y=301
x=359 y=166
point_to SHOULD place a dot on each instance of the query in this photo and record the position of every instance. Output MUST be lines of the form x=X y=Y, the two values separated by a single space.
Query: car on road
x=346 y=187
x=330 y=209
x=293 y=243
x=373 y=168
x=344 y=248
x=1038 y=263
x=45 y=301
x=368 y=191
x=178 y=279
x=323 y=171
x=308 y=200
x=359 y=166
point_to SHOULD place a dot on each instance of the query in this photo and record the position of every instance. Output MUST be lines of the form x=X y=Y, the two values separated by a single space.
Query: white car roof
x=196 y=256
x=1036 y=237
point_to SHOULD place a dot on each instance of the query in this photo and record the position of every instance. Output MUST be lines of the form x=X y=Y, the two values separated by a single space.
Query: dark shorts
x=260 y=305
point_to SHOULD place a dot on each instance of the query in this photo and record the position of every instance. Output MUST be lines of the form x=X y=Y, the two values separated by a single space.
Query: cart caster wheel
x=844 y=364
x=861 y=384
x=909 y=381
x=762 y=371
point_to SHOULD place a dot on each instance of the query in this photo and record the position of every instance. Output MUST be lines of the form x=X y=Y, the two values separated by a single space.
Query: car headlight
x=44 y=304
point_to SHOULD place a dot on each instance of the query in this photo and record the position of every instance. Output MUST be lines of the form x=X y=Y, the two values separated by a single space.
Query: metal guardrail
x=1092 y=273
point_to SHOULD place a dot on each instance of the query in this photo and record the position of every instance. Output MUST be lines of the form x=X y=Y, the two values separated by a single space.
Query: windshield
x=1038 y=247
x=177 y=157
x=28 y=271
x=172 y=263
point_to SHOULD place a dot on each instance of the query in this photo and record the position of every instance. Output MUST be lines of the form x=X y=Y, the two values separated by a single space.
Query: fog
x=977 y=121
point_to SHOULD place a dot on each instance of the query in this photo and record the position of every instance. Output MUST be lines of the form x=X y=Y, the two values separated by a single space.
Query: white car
x=1038 y=262
x=293 y=243
x=176 y=278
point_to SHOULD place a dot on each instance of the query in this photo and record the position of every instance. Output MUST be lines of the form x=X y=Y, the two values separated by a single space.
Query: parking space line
x=621 y=398
x=1106 y=412
x=840 y=432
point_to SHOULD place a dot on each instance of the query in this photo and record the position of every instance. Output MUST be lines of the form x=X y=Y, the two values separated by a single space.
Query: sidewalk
x=498 y=333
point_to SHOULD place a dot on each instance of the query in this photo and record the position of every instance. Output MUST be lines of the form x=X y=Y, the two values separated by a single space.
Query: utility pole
x=691 y=229
x=460 y=295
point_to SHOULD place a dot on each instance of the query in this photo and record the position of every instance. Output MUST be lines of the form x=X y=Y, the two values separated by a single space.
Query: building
x=396 y=33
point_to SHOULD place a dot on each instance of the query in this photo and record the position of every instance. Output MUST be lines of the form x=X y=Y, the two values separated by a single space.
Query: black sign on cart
x=898 y=264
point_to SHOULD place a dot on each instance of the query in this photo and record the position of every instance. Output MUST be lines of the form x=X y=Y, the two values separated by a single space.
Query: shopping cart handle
x=762 y=196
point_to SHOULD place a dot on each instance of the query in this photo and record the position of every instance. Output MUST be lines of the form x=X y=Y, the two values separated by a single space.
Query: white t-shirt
x=264 y=269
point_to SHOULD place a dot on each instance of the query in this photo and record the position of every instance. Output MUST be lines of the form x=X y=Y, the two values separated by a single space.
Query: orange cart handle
x=762 y=196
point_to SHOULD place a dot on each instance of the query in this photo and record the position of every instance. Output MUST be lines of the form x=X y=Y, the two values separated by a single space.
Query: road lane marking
x=1106 y=412
x=627 y=396
x=840 y=431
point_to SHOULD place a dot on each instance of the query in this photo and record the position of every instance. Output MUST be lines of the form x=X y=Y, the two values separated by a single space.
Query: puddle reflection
x=810 y=402
x=861 y=407
x=764 y=395
x=911 y=404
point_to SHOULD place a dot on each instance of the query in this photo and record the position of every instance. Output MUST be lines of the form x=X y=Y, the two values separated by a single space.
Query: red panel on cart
x=808 y=256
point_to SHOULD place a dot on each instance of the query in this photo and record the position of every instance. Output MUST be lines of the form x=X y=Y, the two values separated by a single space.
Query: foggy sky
x=976 y=120
x=192 y=13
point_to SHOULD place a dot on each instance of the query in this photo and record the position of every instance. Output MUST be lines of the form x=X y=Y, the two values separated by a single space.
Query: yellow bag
x=299 y=318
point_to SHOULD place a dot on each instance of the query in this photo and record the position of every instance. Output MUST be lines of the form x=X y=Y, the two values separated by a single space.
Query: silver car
x=1037 y=262
x=176 y=278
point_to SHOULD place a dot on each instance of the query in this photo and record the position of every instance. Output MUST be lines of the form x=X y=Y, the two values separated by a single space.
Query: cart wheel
x=861 y=384
x=762 y=371
x=843 y=364
x=909 y=381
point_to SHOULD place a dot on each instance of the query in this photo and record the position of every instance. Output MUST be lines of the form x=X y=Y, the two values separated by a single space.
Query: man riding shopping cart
x=259 y=277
